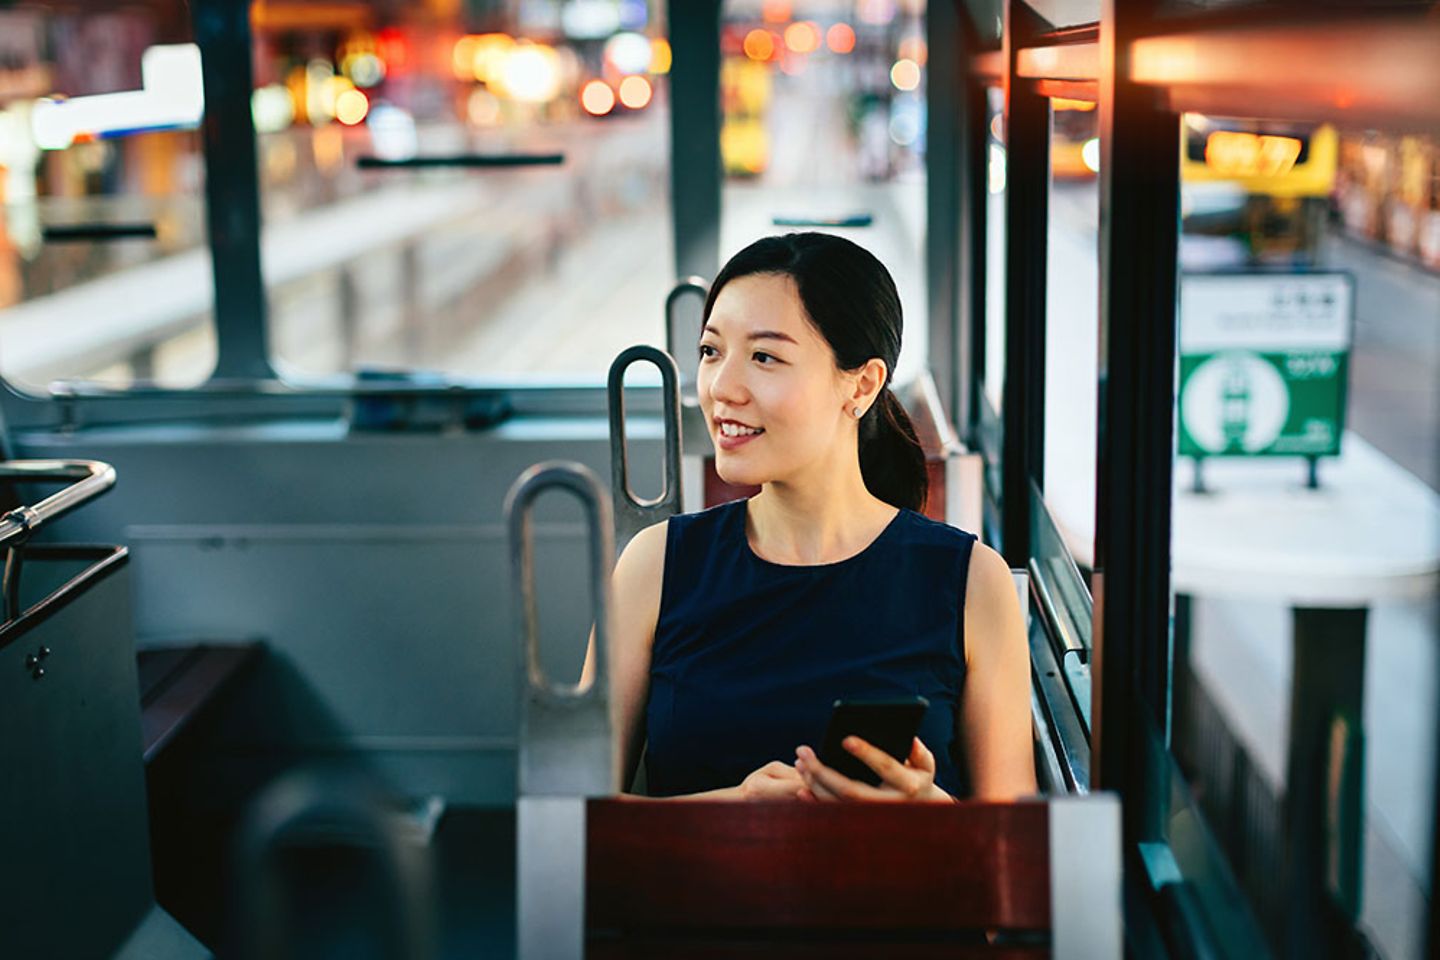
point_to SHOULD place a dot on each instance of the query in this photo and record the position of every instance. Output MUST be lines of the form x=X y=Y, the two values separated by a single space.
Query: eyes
x=759 y=356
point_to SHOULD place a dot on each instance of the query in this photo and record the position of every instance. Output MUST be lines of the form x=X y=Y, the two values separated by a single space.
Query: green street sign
x=1264 y=363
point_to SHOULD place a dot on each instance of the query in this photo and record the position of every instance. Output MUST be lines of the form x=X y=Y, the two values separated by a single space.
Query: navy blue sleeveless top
x=749 y=655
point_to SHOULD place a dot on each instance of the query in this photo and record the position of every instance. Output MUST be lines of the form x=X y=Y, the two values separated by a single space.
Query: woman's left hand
x=912 y=781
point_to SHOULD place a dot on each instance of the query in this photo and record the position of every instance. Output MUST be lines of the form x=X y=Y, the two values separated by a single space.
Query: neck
x=823 y=517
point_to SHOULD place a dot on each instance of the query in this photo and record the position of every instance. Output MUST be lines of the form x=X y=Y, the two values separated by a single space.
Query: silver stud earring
x=857 y=412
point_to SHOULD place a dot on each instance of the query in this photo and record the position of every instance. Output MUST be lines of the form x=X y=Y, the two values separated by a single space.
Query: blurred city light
x=530 y=74
x=775 y=11
x=590 y=19
x=660 y=56
x=1090 y=154
x=914 y=48
x=172 y=96
x=840 y=38
x=483 y=108
x=635 y=92
x=876 y=13
x=802 y=37
x=905 y=75
x=272 y=108
x=392 y=132
x=597 y=98
x=997 y=168
x=351 y=107
x=365 y=69
x=759 y=44
x=628 y=53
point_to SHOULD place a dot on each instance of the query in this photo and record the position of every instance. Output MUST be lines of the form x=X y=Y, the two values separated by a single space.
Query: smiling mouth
x=733 y=430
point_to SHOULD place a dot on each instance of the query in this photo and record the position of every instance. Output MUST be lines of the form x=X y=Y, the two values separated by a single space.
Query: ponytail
x=892 y=462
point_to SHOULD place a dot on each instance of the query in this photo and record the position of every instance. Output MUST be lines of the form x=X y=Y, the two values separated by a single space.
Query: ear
x=866 y=385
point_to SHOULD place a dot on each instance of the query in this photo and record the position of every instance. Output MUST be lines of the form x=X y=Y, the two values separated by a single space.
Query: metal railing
x=86 y=480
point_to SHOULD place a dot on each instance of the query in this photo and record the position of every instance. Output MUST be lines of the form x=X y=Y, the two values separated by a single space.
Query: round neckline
x=745 y=540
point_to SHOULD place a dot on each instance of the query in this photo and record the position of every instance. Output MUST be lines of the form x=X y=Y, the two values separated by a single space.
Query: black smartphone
x=890 y=725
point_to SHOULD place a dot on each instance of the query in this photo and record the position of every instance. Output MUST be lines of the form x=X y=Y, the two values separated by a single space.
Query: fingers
x=822 y=780
x=921 y=758
x=907 y=780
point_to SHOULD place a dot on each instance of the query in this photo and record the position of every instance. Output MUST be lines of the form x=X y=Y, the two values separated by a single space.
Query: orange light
x=635 y=92
x=802 y=37
x=840 y=38
x=759 y=45
x=905 y=75
x=775 y=11
x=914 y=48
x=351 y=107
x=660 y=55
x=1236 y=154
x=462 y=58
x=1065 y=103
x=597 y=98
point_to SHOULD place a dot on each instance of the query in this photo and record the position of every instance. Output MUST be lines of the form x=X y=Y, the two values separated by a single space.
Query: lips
x=733 y=434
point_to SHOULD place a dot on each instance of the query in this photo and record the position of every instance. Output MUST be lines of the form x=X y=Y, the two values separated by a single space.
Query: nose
x=724 y=382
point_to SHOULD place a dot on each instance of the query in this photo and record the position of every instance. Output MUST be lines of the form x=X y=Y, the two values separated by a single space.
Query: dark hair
x=851 y=299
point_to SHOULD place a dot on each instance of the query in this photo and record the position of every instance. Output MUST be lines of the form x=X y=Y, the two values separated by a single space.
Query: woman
x=735 y=629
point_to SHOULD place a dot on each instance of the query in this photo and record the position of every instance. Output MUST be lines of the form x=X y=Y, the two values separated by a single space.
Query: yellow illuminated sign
x=1235 y=154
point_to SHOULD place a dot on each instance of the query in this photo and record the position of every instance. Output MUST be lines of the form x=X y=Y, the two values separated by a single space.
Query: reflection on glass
x=1065 y=598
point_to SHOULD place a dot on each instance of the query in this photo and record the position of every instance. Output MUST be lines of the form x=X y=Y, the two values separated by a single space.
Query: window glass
x=523 y=271
x=824 y=123
x=1072 y=305
x=1067 y=13
x=104 y=269
x=1305 y=502
x=994 y=369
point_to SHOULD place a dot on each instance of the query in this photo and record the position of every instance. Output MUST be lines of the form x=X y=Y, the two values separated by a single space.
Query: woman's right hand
x=774 y=781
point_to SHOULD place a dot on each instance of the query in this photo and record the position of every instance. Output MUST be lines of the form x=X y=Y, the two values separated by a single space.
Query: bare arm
x=996 y=711
x=635 y=607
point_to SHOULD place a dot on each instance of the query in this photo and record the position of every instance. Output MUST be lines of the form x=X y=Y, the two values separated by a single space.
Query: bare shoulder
x=992 y=608
x=644 y=555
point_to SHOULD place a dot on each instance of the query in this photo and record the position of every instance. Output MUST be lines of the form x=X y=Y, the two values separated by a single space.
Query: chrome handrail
x=631 y=513
x=91 y=478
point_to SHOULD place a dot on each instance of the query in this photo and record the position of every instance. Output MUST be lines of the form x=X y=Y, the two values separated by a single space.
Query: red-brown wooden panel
x=797 y=867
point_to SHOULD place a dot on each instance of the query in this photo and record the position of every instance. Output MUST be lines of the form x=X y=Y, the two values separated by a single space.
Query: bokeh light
x=840 y=38
x=759 y=44
x=635 y=92
x=802 y=37
x=351 y=107
x=660 y=56
x=905 y=75
x=597 y=98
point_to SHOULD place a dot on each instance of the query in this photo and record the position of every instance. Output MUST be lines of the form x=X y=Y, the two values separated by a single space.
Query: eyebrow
x=759 y=335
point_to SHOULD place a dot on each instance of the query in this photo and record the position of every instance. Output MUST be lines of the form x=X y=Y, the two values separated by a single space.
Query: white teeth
x=736 y=430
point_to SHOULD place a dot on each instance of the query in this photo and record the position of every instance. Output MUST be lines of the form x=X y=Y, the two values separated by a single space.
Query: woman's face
x=768 y=385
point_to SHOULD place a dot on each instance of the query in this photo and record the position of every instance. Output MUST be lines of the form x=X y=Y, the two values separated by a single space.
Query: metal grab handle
x=333 y=811
x=690 y=286
x=631 y=513
x=565 y=747
x=462 y=160
x=93 y=478
x=845 y=220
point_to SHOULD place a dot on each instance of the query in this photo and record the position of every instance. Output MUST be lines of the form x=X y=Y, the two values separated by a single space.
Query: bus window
x=371 y=121
x=1072 y=302
x=823 y=128
x=1303 y=700
x=102 y=185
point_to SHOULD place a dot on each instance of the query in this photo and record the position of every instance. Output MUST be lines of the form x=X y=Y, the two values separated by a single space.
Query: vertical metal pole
x=976 y=226
x=695 y=173
x=1140 y=198
x=232 y=190
x=944 y=182
x=1027 y=201
x=1328 y=681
